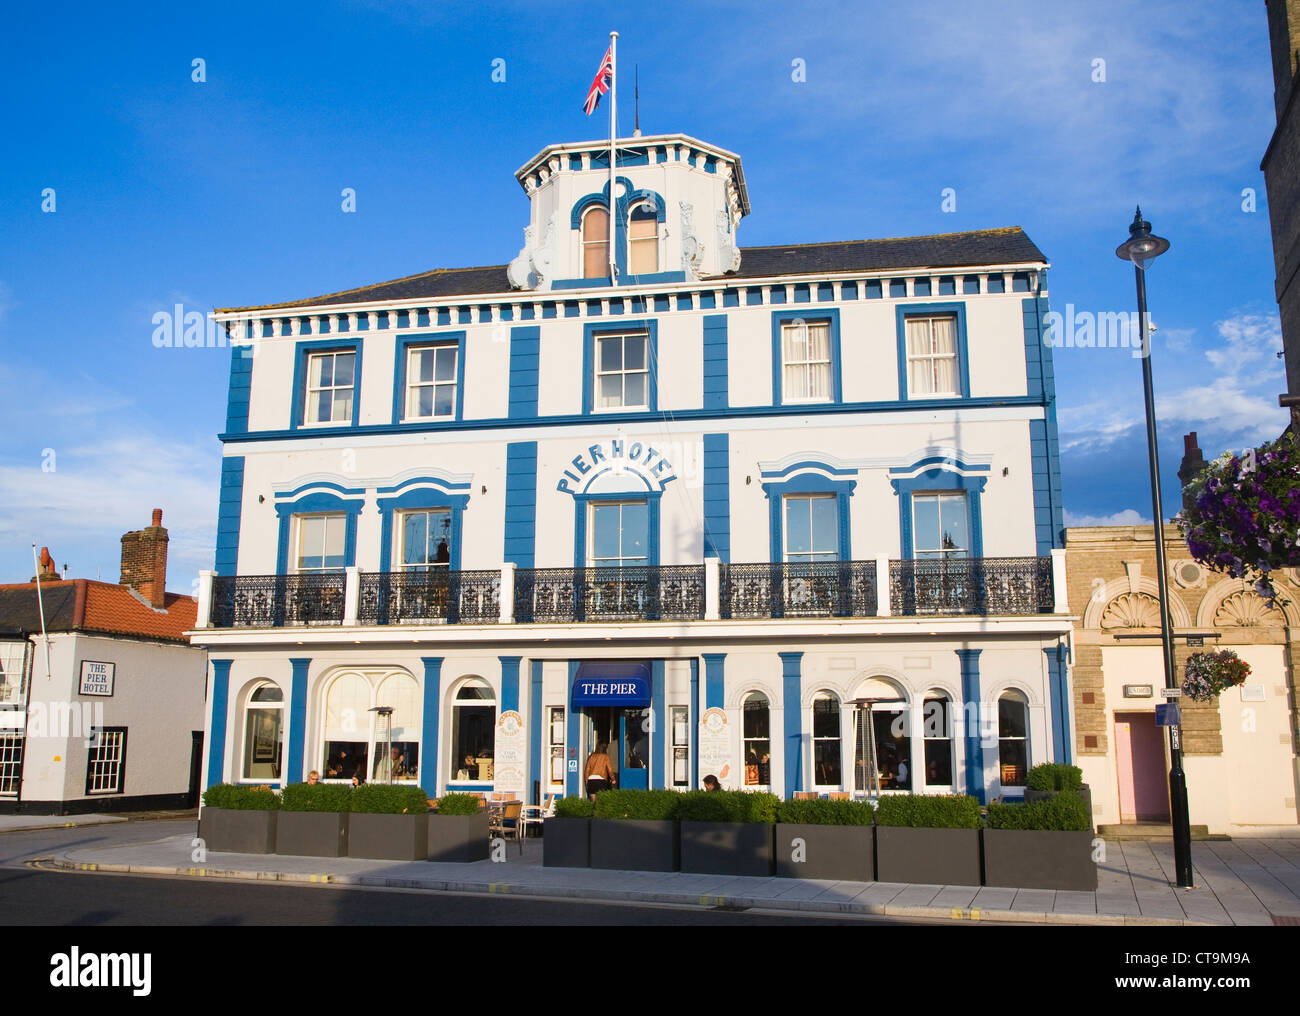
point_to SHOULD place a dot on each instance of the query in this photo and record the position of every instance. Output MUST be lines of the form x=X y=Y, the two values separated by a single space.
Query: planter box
x=928 y=856
x=1039 y=859
x=234 y=831
x=844 y=853
x=727 y=848
x=388 y=837
x=312 y=833
x=566 y=843
x=458 y=837
x=634 y=844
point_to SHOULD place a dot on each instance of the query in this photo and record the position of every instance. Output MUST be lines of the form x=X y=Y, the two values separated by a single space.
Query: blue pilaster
x=521 y=503
x=525 y=349
x=229 y=508
x=791 y=686
x=217 y=733
x=1059 y=688
x=293 y=769
x=694 y=720
x=717 y=496
x=658 y=725
x=429 y=724
x=971 y=703
x=714 y=680
x=573 y=777
x=509 y=683
x=541 y=766
x=715 y=361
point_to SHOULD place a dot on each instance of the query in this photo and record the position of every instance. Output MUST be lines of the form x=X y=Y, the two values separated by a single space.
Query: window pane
x=953 y=512
x=938 y=762
x=634 y=353
x=893 y=750
x=611 y=354
x=413 y=537
x=643 y=223
x=595 y=225
x=818 y=342
x=798 y=526
x=322 y=371
x=440 y=537
x=634 y=390
x=1011 y=717
x=343 y=363
x=421 y=365
x=825 y=538
x=320 y=407
x=643 y=257
x=604 y=532
x=595 y=261
x=311 y=541
x=611 y=390
x=422 y=402
x=794 y=382
x=756 y=716
x=444 y=400
x=636 y=521
x=926 y=514
x=262 y=744
x=342 y=405
x=335 y=532
x=944 y=334
x=446 y=364
x=827 y=762
x=826 y=717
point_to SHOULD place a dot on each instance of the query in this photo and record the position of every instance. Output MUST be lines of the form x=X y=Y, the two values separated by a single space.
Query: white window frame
x=107 y=750
x=812 y=556
x=947 y=735
x=400 y=564
x=838 y=738
x=555 y=744
x=309 y=408
x=807 y=363
x=455 y=702
x=1021 y=700
x=745 y=741
x=11 y=763
x=931 y=357
x=413 y=384
x=621 y=372
x=374 y=684
x=297 y=541
x=620 y=561
x=244 y=747
x=941 y=553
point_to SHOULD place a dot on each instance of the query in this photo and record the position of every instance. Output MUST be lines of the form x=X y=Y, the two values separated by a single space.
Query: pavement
x=1249 y=881
x=27 y=823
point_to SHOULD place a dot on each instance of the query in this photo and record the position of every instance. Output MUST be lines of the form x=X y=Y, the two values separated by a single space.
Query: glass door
x=634 y=742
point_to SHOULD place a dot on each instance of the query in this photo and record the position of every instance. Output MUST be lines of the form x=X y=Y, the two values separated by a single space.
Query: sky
x=130 y=187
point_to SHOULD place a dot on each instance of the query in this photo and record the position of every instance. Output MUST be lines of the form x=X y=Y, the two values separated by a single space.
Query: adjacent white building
x=697 y=510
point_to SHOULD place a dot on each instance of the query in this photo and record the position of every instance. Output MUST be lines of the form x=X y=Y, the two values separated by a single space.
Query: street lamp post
x=1143 y=247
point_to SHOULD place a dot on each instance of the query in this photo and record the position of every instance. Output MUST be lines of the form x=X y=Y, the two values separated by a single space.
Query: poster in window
x=266 y=736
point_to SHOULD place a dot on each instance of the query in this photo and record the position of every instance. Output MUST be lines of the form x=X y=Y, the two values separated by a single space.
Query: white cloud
x=1127 y=517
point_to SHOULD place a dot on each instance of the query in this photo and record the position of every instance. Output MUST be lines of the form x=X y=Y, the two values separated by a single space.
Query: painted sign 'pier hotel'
x=694 y=507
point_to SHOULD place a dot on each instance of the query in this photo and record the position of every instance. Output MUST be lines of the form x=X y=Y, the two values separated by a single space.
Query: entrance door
x=626 y=733
x=1140 y=765
x=196 y=768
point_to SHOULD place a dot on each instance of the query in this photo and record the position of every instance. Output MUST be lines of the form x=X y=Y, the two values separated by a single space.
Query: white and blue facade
x=739 y=488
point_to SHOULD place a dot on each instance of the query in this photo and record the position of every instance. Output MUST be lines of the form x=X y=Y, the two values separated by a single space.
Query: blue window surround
x=783 y=317
x=939 y=479
x=424 y=493
x=911 y=310
x=325 y=498
x=589 y=334
x=580 y=513
x=799 y=479
x=407 y=342
x=969 y=660
x=622 y=205
x=302 y=352
x=217 y=732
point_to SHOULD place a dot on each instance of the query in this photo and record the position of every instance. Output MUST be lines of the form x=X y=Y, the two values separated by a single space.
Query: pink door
x=1140 y=759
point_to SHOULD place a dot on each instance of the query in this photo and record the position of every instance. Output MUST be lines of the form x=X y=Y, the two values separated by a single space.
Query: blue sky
x=227 y=193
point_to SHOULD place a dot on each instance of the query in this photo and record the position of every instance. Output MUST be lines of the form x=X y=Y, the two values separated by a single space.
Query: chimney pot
x=157 y=512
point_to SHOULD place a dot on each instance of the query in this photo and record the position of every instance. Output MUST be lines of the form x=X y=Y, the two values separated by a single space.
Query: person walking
x=599 y=771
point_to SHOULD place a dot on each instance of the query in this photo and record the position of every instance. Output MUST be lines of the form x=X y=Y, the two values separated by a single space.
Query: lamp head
x=1142 y=246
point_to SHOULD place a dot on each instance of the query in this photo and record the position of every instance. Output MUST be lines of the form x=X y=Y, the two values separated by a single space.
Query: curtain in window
x=595 y=244
x=931 y=356
x=806 y=356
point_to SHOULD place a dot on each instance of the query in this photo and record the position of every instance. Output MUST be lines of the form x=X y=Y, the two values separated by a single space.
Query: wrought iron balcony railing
x=972 y=585
x=274 y=601
x=435 y=596
x=789 y=589
x=638 y=593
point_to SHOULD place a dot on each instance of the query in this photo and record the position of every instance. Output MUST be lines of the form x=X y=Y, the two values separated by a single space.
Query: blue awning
x=615 y=683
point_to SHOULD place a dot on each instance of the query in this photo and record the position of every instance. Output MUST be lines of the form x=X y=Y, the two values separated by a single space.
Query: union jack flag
x=604 y=78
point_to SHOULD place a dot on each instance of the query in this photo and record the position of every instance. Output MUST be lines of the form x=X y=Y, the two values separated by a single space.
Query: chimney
x=1192 y=466
x=144 y=561
x=48 y=571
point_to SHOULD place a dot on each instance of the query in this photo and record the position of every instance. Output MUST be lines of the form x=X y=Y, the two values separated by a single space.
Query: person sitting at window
x=711 y=783
x=469 y=767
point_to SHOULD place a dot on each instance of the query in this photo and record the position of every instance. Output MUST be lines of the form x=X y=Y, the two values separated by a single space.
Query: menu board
x=511 y=753
x=715 y=746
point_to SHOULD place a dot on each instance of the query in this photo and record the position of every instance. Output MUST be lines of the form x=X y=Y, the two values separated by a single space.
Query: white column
x=712 y=588
x=507 y=603
x=205 y=599
x=882 y=587
x=351 y=593
x=1059 y=590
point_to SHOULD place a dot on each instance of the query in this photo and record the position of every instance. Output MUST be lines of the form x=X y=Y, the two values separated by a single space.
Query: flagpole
x=613 y=108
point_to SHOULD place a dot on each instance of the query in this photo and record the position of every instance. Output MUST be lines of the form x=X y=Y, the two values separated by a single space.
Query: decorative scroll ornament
x=728 y=252
x=1132 y=610
x=531 y=268
x=692 y=249
x=1246 y=610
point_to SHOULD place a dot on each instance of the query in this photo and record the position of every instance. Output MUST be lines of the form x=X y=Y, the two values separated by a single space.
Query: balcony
x=987 y=587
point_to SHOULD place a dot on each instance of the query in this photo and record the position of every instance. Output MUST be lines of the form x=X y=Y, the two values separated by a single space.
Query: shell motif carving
x=1246 y=610
x=1132 y=610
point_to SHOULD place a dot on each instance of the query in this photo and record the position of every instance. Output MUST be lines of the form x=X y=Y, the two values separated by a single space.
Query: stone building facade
x=1239 y=752
x=1281 y=167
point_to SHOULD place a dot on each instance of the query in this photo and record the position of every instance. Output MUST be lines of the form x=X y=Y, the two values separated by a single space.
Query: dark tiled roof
x=946 y=250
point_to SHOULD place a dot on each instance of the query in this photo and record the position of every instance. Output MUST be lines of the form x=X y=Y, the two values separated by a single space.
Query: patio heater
x=865 y=748
x=386 y=719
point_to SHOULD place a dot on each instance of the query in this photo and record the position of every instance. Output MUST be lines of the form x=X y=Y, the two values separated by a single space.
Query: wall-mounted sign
x=1196 y=640
x=511 y=752
x=1252 y=693
x=97 y=678
x=1171 y=693
x=614 y=457
x=715 y=745
x=573 y=765
x=1138 y=691
x=1167 y=715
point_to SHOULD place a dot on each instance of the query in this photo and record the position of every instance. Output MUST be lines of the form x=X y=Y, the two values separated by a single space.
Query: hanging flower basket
x=1208 y=675
x=1245 y=516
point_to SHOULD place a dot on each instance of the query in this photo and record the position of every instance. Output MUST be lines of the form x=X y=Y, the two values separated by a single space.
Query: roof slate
x=946 y=250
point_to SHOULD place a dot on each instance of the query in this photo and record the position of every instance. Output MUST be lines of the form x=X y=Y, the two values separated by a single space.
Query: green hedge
x=316 y=797
x=933 y=811
x=1064 y=812
x=726 y=806
x=574 y=807
x=647 y=805
x=459 y=804
x=1054 y=776
x=389 y=799
x=823 y=811
x=237 y=797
